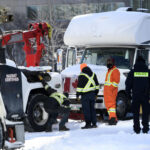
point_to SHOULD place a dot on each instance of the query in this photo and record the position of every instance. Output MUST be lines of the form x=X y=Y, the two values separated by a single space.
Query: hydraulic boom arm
x=36 y=31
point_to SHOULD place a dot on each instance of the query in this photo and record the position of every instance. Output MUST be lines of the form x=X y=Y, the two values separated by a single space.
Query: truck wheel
x=37 y=116
x=1 y=136
x=121 y=106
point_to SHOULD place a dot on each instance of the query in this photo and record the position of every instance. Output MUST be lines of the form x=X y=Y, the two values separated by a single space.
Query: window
x=98 y=56
x=71 y=60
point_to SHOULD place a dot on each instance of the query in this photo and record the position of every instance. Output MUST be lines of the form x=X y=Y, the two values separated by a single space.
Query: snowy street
x=120 y=137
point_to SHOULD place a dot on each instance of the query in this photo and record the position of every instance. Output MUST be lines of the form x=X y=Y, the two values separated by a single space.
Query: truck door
x=71 y=57
x=11 y=89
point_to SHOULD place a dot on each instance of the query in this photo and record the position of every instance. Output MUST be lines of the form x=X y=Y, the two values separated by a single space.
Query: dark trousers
x=88 y=103
x=60 y=111
x=136 y=114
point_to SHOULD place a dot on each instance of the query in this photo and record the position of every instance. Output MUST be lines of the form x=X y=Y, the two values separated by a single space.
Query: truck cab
x=119 y=34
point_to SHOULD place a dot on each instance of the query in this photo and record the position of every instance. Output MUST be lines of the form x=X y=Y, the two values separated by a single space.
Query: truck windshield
x=98 y=56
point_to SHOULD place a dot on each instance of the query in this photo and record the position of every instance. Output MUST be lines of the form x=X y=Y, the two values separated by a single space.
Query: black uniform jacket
x=51 y=103
x=139 y=86
x=82 y=80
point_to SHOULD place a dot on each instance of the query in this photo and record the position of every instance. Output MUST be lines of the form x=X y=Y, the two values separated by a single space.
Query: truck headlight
x=57 y=85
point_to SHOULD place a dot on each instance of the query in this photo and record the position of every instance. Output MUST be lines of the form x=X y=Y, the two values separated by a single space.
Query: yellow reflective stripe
x=97 y=87
x=141 y=74
x=108 y=78
x=109 y=74
x=114 y=84
x=85 y=90
x=108 y=83
x=46 y=87
x=59 y=97
x=112 y=110
x=91 y=81
x=79 y=89
x=87 y=87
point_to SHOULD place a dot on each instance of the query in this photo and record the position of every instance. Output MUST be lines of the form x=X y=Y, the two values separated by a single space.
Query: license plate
x=75 y=106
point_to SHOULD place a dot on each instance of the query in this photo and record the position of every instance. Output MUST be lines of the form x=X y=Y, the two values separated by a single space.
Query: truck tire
x=1 y=136
x=37 y=117
x=121 y=106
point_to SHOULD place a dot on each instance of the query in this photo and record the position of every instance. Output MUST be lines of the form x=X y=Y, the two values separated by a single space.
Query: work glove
x=96 y=97
x=78 y=99
x=66 y=102
x=40 y=77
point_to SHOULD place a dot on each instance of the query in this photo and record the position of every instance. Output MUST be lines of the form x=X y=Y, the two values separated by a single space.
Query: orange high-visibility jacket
x=111 y=89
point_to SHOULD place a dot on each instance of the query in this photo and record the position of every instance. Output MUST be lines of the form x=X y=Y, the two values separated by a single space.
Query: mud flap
x=11 y=89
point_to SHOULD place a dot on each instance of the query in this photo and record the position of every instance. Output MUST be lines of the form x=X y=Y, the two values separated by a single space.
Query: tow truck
x=29 y=89
x=11 y=106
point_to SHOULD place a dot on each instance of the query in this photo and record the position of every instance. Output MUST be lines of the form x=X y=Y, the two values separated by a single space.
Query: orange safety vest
x=108 y=82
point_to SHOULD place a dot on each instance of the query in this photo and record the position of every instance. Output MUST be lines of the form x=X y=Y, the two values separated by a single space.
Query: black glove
x=66 y=102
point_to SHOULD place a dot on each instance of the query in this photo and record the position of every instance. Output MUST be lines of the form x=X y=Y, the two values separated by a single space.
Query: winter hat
x=83 y=66
x=111 y=59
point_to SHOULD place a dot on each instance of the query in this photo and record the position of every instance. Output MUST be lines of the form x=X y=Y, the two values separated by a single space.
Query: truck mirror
x=59 y=64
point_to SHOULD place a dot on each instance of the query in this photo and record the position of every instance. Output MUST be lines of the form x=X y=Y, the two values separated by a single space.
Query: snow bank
x=120 y=137
x=108 y=28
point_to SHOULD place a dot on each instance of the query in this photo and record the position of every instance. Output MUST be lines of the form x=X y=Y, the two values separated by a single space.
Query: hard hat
x=83 y=66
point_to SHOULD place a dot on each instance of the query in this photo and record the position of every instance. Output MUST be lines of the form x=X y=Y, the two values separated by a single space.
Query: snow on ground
x=120 y=137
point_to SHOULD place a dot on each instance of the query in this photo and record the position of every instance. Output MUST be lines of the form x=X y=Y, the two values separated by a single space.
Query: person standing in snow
x=56 y=104
x=88 y=88
x=111 y=89
x=138 y=81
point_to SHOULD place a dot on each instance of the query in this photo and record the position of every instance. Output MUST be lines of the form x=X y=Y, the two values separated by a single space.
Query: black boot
x=145 y=130
x=48 y=129
x=63 y=128
x=112 y=121
x=87 y=126
x=94 y=125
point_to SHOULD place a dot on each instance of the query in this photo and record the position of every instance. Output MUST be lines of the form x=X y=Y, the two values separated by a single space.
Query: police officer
x=56 y=104
x=88 y=88
x=138 y=82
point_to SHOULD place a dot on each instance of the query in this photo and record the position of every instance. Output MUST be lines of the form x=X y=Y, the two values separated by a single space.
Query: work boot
x=94 y=125
x=137 y=132
x=48 y=129
x=112 y=121
x=145 y=130
x=87 y=126
x=136 y=128
x=63 y=128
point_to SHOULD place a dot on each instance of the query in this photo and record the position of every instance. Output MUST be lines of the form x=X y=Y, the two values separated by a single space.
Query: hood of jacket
x=140 y=66
x=87 y=71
